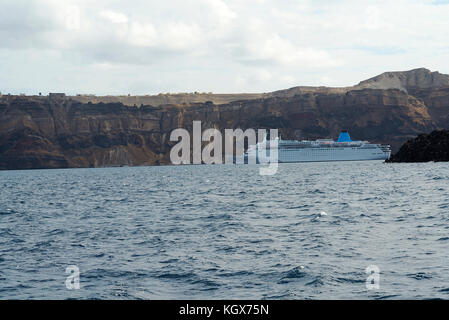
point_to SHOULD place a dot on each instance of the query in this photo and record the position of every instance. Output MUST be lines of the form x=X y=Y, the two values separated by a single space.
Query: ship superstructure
x=344 y=149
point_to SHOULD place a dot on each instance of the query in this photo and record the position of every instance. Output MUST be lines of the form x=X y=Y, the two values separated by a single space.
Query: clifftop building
x=56 y=95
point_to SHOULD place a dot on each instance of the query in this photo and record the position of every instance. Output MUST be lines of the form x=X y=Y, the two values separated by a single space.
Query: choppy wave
x=214 y=232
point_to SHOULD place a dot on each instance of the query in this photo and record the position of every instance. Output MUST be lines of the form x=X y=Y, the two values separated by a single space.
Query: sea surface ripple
x=224 y=231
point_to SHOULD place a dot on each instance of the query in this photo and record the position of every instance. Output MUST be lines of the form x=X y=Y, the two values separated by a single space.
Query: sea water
x=225 y=232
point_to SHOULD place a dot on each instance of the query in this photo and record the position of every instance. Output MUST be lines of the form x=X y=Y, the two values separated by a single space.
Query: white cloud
x=372 y=20
x=140 y=34
x=220 y=11
x=114 y=17
x=167 y=36
x=215 y=45
x=73 y=18
x=273 y=48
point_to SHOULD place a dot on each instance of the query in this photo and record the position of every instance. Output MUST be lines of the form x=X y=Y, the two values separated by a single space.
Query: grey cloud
x=212 y=45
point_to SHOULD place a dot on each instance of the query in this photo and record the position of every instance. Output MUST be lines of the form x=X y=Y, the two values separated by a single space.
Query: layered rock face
x=41 y=133
x=424 y=148
x=49 y=132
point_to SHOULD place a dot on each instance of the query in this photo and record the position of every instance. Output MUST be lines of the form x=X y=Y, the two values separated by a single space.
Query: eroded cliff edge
x=43 y=132
x=425 y=147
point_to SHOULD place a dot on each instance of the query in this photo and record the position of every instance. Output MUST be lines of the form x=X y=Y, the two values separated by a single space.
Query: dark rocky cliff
x=43 y=132
x=424 y=148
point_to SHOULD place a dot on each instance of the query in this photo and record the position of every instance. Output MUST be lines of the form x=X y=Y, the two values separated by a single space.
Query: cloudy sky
x=151 y=46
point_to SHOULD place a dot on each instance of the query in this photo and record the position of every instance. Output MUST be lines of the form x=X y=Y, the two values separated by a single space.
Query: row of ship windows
x=323 y=149
x=320 y=154
x=309 y=151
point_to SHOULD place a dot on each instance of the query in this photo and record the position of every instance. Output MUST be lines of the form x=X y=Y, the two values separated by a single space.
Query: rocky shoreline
x=424 y=148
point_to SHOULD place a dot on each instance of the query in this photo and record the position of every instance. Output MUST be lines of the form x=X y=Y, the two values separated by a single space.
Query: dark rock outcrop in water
x=60 y=132
x=426 y=147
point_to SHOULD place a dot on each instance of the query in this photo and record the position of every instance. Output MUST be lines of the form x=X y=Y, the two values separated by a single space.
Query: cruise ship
x=344 y=149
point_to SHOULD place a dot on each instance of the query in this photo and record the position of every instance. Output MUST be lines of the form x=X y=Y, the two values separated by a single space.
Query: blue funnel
x=344 y=136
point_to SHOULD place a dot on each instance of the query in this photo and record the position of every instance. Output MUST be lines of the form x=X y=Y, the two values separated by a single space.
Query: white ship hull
x=323 y=154
x=316 y=151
